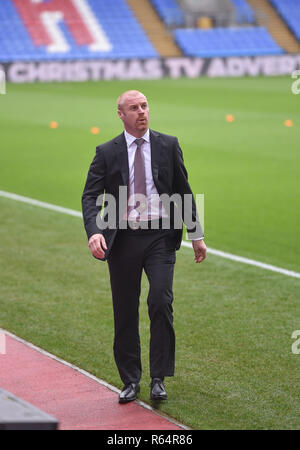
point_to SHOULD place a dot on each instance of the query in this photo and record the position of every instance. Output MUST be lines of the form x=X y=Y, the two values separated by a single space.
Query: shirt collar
x=130 y=139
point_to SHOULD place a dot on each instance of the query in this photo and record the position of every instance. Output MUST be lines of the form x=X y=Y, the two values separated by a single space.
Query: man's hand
x=97 y=245
x=199 y=250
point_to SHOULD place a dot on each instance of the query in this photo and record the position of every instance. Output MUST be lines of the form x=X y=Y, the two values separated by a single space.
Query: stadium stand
x=267 y=16
x=154 y=27
x=290 y=12
x=92 y=29
x=221 y=12
x=169 y=11
x=244 y=12
x=42 y=30
x=245 y=41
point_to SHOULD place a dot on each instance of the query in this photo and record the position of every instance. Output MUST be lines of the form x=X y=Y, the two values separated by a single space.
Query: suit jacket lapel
x=155 y=153
x=121 y=154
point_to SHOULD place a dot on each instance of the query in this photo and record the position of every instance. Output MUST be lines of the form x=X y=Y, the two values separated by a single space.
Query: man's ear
x=120 y=113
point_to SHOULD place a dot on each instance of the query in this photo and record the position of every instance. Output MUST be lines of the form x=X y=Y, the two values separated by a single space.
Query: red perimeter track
x=77 y=401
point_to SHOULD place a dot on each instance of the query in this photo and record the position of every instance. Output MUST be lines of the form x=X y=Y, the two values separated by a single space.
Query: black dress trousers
x=132 y=252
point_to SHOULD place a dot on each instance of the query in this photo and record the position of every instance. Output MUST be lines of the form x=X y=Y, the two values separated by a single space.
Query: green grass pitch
x=233 y=322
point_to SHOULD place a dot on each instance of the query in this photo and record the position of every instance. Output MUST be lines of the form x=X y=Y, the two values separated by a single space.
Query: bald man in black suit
x=143 y=235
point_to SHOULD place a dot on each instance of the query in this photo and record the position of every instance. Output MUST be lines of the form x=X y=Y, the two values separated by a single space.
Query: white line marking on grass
x=34 y=202
x=72 y=212
x=251 y=262
x=92 y=377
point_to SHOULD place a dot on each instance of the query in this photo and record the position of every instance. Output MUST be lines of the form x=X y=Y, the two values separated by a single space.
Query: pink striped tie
x=139 y=172
x=139 y=169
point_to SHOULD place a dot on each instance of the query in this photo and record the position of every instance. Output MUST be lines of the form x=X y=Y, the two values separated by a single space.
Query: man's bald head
x=134 y=112
x=127 y=96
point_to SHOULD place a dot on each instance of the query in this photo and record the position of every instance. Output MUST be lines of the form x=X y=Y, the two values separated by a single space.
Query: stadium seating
x=169 y=11
x=100 y=29
x=124 y=35
x=290 y=12
x=245 y=41
x=244 y=12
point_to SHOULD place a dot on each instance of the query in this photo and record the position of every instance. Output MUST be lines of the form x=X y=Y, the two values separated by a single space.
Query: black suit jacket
x=109 y=170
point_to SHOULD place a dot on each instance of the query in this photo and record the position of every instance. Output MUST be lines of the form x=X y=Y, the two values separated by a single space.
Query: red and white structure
x=42 y=20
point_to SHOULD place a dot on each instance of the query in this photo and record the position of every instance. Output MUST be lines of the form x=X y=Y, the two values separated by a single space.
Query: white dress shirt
x=155 y=208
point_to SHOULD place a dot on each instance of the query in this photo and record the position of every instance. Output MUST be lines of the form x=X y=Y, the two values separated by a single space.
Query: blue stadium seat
x=244 y=12
x=169 y=11
x=246 y=41
x=290 y=12
x=125 y=34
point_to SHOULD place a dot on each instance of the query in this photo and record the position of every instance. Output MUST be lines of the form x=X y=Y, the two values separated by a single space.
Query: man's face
x=134 y=113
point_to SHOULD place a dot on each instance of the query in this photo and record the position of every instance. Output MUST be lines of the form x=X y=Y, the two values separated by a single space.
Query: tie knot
x=139 y=142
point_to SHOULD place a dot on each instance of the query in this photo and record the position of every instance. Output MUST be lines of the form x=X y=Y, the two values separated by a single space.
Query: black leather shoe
x=129 y=392
x=157 y=391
